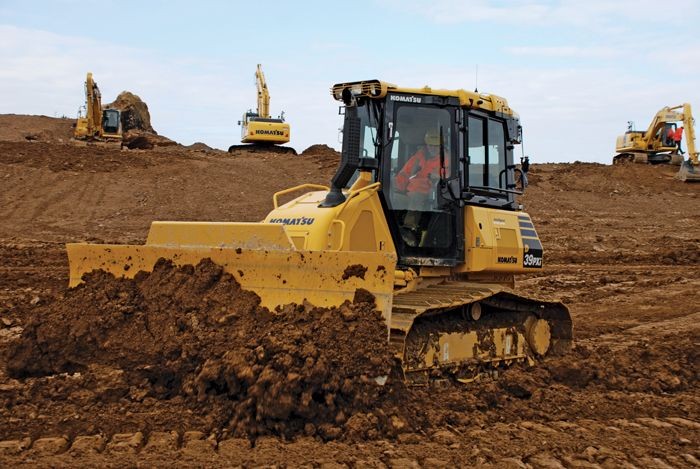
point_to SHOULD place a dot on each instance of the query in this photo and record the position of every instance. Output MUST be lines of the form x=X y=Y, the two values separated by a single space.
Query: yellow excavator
x=259 y=131
x=97 y=125
x=440 y=262
x=656 y=145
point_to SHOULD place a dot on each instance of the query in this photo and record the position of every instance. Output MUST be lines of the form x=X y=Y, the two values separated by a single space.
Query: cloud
x=591 y=14
x=566 y=52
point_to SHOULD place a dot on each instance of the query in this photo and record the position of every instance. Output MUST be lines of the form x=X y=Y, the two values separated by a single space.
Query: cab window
x=487 y=152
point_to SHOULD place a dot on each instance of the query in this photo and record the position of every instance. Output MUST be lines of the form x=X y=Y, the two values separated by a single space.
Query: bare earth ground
x=622 y=250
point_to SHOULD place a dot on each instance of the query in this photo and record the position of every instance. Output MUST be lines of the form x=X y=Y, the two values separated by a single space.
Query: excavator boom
x=263 y=94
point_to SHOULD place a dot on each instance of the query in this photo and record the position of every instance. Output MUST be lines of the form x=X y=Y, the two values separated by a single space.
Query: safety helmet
x=432 y=137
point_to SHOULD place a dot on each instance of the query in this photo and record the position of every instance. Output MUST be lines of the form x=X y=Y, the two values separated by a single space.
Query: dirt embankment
x=144 y=371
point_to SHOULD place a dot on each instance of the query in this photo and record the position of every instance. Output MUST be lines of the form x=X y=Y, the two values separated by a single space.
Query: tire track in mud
x=579 y=444
x=630 y=337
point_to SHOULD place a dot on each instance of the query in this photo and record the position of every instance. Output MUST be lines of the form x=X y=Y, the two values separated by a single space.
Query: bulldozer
x=97 y=125
x=440 y=264
x=260 y=131
x=656 y=146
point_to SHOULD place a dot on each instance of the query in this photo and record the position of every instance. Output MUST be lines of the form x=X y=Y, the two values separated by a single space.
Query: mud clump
x=355 y=270
x=193 y=334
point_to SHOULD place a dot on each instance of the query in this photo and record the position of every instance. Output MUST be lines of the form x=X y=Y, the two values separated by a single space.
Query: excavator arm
x=93 y=104
x=689 y=127
x=690 y=168
x=263 y=94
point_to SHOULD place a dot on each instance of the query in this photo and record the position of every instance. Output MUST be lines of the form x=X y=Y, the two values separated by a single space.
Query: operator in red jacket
x=422 y=170
x=677 y=137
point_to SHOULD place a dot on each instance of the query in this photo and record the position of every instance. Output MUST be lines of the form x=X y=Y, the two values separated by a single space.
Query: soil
x=182 y=368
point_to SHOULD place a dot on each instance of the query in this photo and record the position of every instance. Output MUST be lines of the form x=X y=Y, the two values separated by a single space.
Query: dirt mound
x=135 y=115
x=193 y=332
x=321 y=150
x=20 y=128
x=199 y=146
x=325 y=156
x=136 y=123
x=139 y=140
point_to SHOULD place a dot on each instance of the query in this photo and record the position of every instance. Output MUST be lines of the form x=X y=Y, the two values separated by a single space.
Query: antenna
x=476 y=79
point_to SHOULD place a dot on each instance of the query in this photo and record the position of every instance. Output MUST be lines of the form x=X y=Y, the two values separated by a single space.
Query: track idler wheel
x=538 y=334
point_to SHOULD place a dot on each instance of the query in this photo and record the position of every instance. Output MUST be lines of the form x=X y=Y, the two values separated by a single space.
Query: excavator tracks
x=460 y=330
x=261 y=148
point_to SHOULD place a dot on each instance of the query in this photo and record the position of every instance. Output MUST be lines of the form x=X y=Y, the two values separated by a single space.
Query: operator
x=677 y=137
x=670 y=133
x=417 y=182
x=422 y=170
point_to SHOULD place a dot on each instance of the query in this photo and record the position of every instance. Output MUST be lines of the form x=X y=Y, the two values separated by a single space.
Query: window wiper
x=491 y=188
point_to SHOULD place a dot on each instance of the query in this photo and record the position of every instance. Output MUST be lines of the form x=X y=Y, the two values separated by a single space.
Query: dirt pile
x=192 y=332
x=138 y=133
x=325 y=156
x=19 y=128
x=321 y=150
x=134 y=112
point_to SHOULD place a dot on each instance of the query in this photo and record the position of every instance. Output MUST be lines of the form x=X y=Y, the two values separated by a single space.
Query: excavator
x=259 y=131
x=656 y=146
x=440 y=264
x=98 y=125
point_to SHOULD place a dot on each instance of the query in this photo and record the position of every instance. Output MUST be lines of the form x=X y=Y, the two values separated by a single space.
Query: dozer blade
x=260 y=256
x=688 y=172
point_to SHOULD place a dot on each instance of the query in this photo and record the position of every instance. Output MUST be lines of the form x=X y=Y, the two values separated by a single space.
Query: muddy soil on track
x=622 y=251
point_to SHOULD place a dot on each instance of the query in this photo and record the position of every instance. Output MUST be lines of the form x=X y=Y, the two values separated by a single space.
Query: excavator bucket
x=688 y=172
x=260 y=256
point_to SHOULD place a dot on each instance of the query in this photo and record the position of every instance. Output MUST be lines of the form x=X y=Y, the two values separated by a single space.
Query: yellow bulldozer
x=439 y=260
x=656 y=145
x=260 y=131
x=97 y=125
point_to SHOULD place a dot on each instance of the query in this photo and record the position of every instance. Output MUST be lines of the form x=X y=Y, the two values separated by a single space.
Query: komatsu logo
x=507 y=260
x=406 y=99
x=293 y=221
x=269 y=132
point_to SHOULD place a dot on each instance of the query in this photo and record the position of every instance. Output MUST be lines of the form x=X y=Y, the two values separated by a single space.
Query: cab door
x=425 y=229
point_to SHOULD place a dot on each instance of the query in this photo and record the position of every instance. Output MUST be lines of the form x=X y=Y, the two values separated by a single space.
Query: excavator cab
x=111 y=121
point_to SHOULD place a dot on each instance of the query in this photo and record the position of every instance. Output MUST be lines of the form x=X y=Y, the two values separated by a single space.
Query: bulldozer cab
x=434 y=158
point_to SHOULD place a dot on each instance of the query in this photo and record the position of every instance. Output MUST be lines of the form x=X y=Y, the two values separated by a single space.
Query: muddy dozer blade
x=260 y=256
x=688 y=172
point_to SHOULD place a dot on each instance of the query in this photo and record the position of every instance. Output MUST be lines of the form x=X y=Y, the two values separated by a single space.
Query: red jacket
x=678 y=134
x=415 y=176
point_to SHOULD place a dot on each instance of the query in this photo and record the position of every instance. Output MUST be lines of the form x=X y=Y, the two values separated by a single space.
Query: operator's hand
x=420 y=185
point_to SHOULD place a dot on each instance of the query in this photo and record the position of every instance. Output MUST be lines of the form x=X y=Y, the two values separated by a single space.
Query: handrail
x=354 y=194
x=296 y=188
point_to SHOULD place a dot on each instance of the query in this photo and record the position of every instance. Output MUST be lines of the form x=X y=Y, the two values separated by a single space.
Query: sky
x=575 y=71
